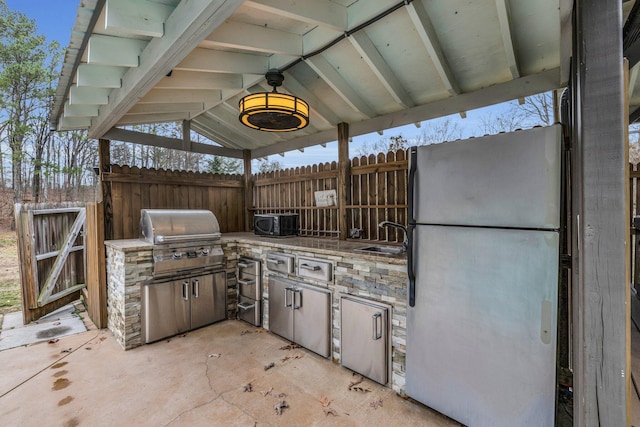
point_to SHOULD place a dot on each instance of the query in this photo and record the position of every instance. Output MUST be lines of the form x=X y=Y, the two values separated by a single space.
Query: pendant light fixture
x=273 y=111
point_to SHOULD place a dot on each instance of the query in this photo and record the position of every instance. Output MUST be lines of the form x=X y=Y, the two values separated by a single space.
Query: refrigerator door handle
x=411 y=224
x=410 y=271
x=377 y=330
x=185 y=290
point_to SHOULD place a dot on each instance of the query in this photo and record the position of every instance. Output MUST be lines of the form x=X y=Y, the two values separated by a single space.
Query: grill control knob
x=177 y=255
x=205 y=252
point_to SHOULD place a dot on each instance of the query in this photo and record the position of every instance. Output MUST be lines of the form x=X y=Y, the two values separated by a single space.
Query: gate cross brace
x=47 y=289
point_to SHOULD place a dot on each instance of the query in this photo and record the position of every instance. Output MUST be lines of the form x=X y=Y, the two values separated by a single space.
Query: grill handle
x=186 y=237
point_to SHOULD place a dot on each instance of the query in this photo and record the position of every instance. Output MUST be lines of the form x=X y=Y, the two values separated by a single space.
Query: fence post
x=104 y=157
x=344 y=181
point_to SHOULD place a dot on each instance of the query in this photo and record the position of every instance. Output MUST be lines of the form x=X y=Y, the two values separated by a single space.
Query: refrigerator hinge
x=565 y=261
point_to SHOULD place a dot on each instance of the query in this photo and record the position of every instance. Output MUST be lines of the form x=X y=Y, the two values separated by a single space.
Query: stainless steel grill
x=183 y=240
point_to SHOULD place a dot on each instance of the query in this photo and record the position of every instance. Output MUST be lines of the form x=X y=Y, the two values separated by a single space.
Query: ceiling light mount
x=273 y=111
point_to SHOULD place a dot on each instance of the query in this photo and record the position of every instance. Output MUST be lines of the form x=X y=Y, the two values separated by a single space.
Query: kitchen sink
x=383 y=250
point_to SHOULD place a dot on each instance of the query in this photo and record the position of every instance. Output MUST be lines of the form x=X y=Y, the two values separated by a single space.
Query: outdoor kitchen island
x=376 y=278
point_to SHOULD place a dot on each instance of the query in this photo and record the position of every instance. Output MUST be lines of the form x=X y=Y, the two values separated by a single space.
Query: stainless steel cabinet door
x=208 y=299
x=280 y=313
x=312 y=319
x=364 y=338
x=166 y=310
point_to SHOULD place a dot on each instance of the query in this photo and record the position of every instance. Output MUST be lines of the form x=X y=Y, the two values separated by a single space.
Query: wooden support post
x=248 y=190
x=601 y=286
x=344 y=181
x=186 y=135
x=104 y=158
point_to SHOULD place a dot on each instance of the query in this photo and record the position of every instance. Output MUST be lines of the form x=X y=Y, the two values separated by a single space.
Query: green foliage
x=267 y=165
x=223 y=165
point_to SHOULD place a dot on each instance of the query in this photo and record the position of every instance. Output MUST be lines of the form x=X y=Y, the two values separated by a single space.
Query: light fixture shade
x=274 y=112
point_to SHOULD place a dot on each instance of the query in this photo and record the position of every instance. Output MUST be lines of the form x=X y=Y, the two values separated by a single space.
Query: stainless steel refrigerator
x=483 y=262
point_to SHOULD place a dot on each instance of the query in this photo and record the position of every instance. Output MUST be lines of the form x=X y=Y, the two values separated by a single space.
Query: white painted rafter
x=80 y=110
x=137 y=119
x=200 y=81
x=215 y=61
x=190 y=107
x=370 y=54
x=323 y=13
x=502 y=7
x=330 y=75
x=136 y=17
x=100 y=75
x=323 y=112
x=161 y=96
x=88 y=95
x=115 y=51
x=239 y=35
x=429 y=38
x=189 y=24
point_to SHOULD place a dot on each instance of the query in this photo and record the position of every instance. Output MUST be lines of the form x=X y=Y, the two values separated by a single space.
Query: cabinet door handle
x=243 y=265
x=196 y=288
x=274 y=261
x=297 y=292
x=247 y=282
x=185 y=290
x=377 y=330
x=286 y=297
x=310 y=267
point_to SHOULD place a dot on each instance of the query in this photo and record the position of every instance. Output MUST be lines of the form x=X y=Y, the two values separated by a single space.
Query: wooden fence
x=378 y=191
x=134 y=188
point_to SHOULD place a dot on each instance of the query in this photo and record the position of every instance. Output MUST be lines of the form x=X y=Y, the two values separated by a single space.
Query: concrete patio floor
x=200 y=378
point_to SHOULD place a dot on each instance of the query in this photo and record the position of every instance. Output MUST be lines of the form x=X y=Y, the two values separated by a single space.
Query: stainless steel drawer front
x=249 y=266
x=250 y=310
x=317 y=269
x=280 y=262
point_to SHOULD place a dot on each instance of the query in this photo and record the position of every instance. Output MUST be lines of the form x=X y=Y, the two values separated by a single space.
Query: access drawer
x=248 y=266
x=317 y=269
x=280 y=262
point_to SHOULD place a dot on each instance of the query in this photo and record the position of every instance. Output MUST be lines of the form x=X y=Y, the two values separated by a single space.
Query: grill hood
x=163 y=226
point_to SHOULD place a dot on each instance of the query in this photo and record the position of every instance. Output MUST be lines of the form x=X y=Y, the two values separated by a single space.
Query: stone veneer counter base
x=381 y=278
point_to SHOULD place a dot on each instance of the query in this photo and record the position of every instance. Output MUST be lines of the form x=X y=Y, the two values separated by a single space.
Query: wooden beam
x=125 y=135
x=248 y=190
x=344 y=183
x=88 y=95
x=164 y=96
x=324 y=14
x=601 y=217
x=189 y=24
x=136 y=17
x=104 y=159
x=114 y=51
x=255 y=38
x=427 y=33
x=200 y=81
x=94 y=75
x=332 y=77
x=216 y=61
x=370 y=54
x=502 y=6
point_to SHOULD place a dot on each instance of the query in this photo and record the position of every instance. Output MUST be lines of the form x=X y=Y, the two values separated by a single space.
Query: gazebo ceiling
x=375 y=64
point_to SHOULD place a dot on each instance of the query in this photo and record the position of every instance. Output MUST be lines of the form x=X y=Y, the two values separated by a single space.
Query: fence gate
x=52 y=252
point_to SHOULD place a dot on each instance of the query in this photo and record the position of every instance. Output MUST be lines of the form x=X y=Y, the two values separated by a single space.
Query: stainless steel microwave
x=284 y=224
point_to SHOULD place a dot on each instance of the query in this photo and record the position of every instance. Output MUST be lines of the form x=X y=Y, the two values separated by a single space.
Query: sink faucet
x=405 y=241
